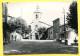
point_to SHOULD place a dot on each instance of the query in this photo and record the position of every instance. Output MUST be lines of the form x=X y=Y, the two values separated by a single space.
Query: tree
x=72 y=16
x=16 y=24
x=42 y=31
x=6 y=33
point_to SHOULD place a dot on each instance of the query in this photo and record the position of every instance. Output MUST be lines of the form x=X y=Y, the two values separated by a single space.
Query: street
x=38 y=47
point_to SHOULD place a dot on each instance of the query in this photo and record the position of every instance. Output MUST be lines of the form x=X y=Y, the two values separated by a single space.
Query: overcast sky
x=49 y=11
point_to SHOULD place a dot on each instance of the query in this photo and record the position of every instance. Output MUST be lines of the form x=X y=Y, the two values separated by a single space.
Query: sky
x=49 y=11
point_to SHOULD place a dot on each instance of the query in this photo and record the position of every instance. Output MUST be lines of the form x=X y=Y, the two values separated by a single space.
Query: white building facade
x=14 y=36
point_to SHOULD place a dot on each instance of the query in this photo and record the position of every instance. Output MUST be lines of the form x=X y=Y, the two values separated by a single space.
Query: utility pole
x=64 y=27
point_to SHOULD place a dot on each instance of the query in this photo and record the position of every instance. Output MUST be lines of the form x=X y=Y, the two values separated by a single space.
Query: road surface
x=38 y=47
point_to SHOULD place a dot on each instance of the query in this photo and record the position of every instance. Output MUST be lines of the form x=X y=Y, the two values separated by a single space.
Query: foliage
x=72 y=16
x=17 y=24
x=41 y=30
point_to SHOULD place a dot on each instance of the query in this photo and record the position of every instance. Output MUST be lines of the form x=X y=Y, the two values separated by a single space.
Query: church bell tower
x=35 y=24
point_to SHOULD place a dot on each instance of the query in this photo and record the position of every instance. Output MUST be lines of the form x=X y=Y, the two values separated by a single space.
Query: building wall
x=56 y=29
x=50 y=33
x=70 y=34
x=64 y=33
x=14 y=36
x=71 y=37
x=53 y=32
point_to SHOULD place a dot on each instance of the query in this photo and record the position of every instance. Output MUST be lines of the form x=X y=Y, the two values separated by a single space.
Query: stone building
x=50 y=33
x=53 y=31
x=69 y=34
x=57 y=32
x=56 y=29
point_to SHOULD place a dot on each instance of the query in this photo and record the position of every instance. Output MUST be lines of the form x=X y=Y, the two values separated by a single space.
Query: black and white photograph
x=40 y=27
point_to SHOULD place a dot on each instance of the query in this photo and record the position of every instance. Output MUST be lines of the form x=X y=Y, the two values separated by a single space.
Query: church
x=36 y=24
